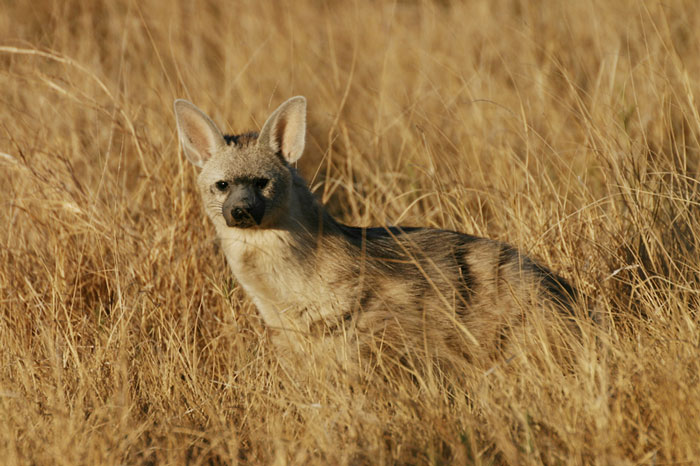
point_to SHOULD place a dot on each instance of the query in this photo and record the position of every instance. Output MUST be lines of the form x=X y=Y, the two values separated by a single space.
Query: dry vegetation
x=569 y=129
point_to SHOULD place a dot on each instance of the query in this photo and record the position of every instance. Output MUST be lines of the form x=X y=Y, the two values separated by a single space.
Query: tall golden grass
x=569 y=129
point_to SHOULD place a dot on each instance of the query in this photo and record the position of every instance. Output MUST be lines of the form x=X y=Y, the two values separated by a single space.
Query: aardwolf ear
x=285 y=129
x=199 y=136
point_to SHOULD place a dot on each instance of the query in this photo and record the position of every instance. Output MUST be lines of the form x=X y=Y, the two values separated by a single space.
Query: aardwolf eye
x=260 y=183
x=221 y=185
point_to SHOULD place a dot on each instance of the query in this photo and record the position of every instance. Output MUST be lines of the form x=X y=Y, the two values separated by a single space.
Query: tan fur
x=368 y=291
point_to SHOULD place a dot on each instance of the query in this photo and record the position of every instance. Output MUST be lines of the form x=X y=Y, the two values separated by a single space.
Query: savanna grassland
x=567 y=128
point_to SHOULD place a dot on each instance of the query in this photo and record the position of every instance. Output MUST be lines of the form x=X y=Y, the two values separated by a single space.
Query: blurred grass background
x=569 y=129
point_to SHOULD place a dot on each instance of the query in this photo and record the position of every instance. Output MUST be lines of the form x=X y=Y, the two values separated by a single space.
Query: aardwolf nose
x=243 y=216
x=243 y=208
x=238 y=214
x=238 y=217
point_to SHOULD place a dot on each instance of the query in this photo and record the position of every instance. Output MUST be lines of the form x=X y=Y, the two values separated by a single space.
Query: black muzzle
x=243 y=208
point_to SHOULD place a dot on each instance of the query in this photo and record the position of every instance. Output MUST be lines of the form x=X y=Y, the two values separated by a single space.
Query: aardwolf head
x=245 y=180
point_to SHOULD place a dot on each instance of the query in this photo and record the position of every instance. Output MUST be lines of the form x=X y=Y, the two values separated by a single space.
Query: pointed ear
x=285 y=130
x=199 y=136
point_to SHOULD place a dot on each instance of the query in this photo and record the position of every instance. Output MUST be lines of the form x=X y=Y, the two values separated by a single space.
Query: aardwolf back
x=392 y=289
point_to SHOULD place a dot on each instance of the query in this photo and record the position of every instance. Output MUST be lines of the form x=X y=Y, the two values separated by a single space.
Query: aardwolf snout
x=243 y=208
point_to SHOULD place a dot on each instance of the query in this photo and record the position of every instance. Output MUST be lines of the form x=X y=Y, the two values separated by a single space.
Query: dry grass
x=569 y=129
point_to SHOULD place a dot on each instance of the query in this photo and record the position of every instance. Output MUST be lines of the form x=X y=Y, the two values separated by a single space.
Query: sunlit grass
x=569 y=129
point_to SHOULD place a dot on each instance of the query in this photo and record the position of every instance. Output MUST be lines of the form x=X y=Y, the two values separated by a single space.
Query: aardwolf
x=310 y=276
